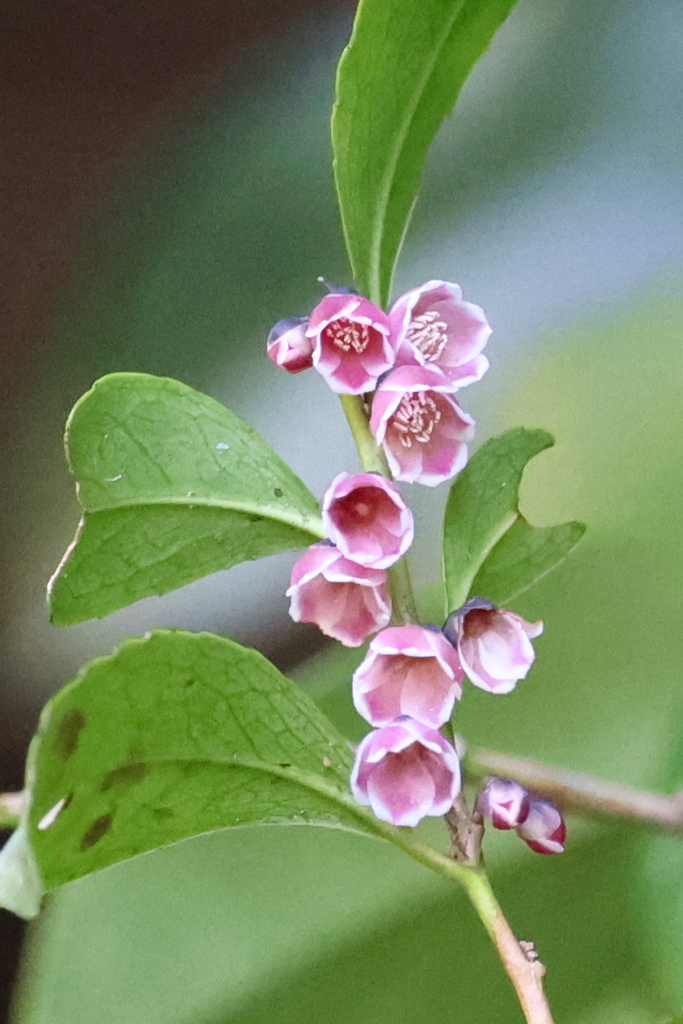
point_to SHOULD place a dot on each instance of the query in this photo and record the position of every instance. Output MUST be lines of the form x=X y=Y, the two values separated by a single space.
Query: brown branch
x=577 y=793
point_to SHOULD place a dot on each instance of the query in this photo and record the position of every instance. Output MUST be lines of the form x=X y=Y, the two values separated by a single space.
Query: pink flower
x=409 y=670
x=505 y=802
x=289 y=347
x=494 y=644
x=368 y=520
x=346 y=601
x=544 y=829
x=352 y=345
x=405 y=772
x=421 y=427
x=434 y=325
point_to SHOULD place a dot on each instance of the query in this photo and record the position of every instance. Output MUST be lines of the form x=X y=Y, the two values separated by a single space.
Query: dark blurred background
x=167 y=195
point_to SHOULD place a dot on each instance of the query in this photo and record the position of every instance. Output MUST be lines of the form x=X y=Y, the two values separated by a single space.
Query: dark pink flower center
x=362 y=508
x=428 y=333
x=479 y=621
x=416 y=418
x=348 y=335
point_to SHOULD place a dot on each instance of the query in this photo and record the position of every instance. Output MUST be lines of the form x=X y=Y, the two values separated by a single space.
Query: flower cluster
x=538 y=822
x=414 y=358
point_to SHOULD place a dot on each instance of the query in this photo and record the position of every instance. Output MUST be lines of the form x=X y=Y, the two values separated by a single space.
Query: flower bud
x=494 y=644
x=405 y=772
x=288 y=345
x=351 y=340
x=409 y=670
x=435 y=326
x=345 y=600
x=420 y=425
x=505 y=802
x=544 y=829
x=368 y=520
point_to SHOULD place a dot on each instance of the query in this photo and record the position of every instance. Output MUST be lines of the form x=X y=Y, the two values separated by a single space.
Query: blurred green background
x=554 y=196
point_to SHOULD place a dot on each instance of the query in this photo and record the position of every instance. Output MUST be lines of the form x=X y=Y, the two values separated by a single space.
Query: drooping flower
x=345 y=600
x=409 y=670
x=418 y=422
x=405 y=772
x=435 y=326
x=289 y=346
x=368 y=520
x=352 y=343
x=544 y=829
x=494 y=644
x=505 y=802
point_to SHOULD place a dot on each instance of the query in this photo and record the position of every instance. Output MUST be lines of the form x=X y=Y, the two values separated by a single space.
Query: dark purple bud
x=505 y=802
x=544 y=829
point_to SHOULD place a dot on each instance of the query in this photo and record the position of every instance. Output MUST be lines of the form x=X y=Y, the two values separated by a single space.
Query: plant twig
x=577 y=793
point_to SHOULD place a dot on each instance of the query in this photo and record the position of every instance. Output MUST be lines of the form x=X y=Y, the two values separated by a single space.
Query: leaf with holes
x=174 y=735
x=173 y=487
x=397 y=80
x=489 y=548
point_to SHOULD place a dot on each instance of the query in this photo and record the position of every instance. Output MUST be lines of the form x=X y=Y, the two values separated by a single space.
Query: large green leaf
x=489 y=548
x=174 y=735
x=397 y=80
x=173 y=486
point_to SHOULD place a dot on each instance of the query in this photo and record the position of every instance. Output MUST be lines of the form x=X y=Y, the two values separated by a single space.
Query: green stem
x=373 y=461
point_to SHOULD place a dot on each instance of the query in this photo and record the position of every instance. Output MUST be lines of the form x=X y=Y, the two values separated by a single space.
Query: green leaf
x=173 y=487
x=20 y=885
x=489 y=548
x=175 y=735
x=397 y=80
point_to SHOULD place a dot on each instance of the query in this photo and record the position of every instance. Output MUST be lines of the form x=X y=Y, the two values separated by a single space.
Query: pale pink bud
x=368 y=520
x=352 y=344
x=418 y=422
x=434 y=325
x=408 y=670
x=544 y=829
x=345 y=600
x=494 y=644
x=505 y=802
x=405 y=772
x=288 y=345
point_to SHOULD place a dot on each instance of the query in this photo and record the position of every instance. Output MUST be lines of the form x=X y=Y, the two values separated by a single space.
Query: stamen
x=347 y=335
x=415 y=419
x=429 y=334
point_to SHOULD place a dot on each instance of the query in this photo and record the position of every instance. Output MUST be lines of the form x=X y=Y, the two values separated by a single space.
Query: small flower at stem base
x=351 y=341
x=494 y=644
x=505 y=802
x=288 y=345
x=419 y=424
x=435 y=326
x=368 y=520
x=544 y=829
x=409 y=670
x=347 y=601
x=405 y=772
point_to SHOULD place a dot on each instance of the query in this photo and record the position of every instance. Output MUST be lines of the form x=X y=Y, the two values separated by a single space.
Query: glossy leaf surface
x=489 y=548
x=397 y=80
x=173 y=487
x=175 y=735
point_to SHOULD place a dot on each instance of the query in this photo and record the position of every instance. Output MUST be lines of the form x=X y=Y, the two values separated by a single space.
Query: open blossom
x=368 y=520
x=352 y=344
x=405 y=772
x=409 y=670
x=345 y=600
x=505 y=802
x=289 y=346
x=418 y=422
x=544 y=829
x=435 y=326
x=494 y=644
